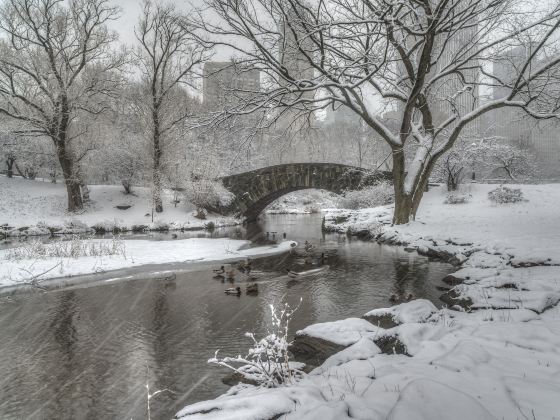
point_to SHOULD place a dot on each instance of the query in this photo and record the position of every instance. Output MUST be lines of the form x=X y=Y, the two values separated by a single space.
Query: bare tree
x=425 y=60
x=168 y=56
x=55 y=64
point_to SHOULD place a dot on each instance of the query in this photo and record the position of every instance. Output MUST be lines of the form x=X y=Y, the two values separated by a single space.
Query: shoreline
x=148 y=271
x=76 y=227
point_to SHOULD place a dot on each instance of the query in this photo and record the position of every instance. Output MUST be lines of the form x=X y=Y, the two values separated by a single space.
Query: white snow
x=344 y=332
x=418 y=310
x=499 y=361
x=26 y=203
x=303 y=202
x=137 y=253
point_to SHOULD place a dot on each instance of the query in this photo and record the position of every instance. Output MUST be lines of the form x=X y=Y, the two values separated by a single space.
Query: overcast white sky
x=131 y=11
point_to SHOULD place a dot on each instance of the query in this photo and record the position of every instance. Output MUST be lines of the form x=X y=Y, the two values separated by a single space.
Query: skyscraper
x=224 y=84
x=515 y=127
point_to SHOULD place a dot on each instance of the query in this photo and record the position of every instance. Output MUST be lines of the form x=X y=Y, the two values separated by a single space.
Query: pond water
x=87 y=353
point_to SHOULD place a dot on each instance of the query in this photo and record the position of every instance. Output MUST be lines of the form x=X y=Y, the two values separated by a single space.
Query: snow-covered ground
x=131 y=253
x=498 y=359
x=35 y=206
x=304 y=202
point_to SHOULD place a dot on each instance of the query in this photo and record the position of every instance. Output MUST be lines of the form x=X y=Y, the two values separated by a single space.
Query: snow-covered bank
x=39 y=208
x=304 y=202
x=136 y=253
x=493 y=354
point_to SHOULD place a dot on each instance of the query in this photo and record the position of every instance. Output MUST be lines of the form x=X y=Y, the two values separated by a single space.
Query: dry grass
x=74 y=248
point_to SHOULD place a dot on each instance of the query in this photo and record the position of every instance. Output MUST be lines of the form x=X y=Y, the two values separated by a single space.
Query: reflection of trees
x=65 y=333
x=163 y=348
x=62 y=325
x=410 y=275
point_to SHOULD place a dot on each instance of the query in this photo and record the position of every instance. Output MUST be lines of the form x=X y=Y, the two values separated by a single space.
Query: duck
x=321 y=260
x=409 y=297
x=230 y=273
x=393 y=298
x=244 y=266
x=233 y=291
x=173 y=236
x=252 y=289
x=219 y=272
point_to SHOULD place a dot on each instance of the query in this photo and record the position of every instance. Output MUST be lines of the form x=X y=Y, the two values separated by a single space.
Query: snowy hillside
x=26 y=203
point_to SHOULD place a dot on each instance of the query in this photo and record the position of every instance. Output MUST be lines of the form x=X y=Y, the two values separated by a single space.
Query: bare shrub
x=378 y=194
x=208 y=194
x=267 y=362
x=74 y=248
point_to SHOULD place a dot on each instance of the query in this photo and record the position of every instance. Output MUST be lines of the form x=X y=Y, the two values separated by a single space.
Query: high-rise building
x=514 y=126
x=224 y=83
x=226 y=87
x=293 y=127
x=456 y=93
x=295 y=48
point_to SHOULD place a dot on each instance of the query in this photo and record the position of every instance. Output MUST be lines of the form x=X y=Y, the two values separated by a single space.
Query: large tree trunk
x=156 y=194
x=83 y=186
x=71 y=179
x=403 y=201
x=408 y=202
x=157 y=181
x=10 y=164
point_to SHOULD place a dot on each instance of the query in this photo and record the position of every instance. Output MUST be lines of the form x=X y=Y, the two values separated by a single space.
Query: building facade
x=224 y=84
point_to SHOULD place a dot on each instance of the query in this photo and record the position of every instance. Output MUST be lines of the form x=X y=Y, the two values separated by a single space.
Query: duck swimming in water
x=230 y=273
x=220 y=272
x=252 y=289
x=233 y=291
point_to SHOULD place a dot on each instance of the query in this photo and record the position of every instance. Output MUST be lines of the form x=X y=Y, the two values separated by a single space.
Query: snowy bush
x=457 y=198
x=378 y=194
x=503 y=195
x=208 y=194
x=267 y=362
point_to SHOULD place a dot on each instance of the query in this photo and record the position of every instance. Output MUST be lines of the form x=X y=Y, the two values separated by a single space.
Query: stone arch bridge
x=254 y=190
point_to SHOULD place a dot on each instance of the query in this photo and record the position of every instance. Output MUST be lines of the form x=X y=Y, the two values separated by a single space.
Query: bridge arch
x=255 y=190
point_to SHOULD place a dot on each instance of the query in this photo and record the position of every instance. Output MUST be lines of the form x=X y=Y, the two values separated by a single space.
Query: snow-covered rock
x=418 y=310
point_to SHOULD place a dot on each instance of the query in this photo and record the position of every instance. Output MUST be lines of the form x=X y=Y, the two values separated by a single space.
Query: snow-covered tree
x=489 y=155
x=168 y=56
x=121 y=154
x=56 y=63
x=508 y=159
x=26 y=156
x=424 y=60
